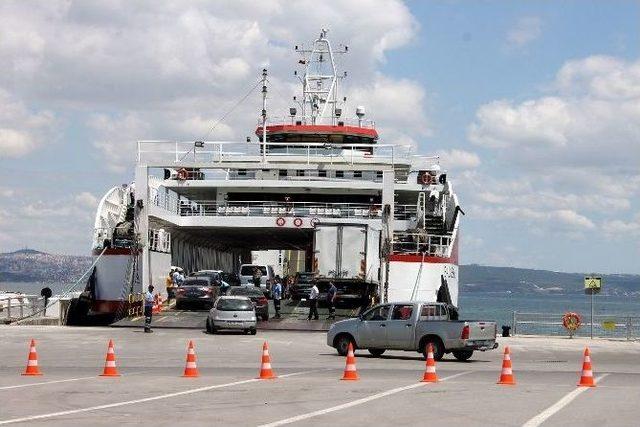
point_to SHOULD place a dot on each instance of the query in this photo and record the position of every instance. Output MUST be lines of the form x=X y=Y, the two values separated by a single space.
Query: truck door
x=372 y=331
x=400 y=326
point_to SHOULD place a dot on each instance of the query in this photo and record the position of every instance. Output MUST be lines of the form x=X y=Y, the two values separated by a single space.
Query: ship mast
x=320 y=82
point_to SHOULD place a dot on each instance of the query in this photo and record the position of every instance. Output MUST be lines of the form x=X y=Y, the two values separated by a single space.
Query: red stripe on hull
x=320 y=129
x=113 y=251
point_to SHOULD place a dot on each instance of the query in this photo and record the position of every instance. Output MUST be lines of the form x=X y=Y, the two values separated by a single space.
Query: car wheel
x=462 y=355
x=253 y=331
x=341 y=343
x=376 y=352
x=436 y=345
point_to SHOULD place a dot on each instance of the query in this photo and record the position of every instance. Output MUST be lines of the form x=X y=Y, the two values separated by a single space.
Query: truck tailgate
x=481 y=331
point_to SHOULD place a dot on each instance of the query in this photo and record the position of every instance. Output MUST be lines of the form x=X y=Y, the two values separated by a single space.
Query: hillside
x=479 y=278
x=28 y=265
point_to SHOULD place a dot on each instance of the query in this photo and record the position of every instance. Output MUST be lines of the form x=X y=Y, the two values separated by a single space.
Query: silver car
x=232 y=312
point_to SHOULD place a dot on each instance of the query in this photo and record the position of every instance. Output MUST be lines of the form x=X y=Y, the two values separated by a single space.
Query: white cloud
x=21 y=130
x=458 y=159
x=622 y=229
x=525 y=30
x=168 y=70
x=86 y=200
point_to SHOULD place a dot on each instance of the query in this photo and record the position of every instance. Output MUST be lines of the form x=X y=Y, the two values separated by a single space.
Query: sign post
x=592 y=286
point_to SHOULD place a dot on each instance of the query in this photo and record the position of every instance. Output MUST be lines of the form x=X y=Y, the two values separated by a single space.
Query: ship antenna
x=264 y=115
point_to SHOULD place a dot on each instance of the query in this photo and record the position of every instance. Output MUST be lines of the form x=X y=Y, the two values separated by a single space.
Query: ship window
x=357 y=174
x=322 y=173
x=282 y=172
x=379 y=174
x=242 y=172
x=339 y=174
x=300 y=172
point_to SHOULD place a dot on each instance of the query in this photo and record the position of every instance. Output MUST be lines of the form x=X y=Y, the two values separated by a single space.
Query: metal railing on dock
x=604 y=325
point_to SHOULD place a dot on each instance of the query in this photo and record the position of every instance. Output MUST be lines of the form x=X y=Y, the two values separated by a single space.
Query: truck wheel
x=462 y=355
x=376 y=352
x=341 y=343
x=438 y=348
x=253 y=331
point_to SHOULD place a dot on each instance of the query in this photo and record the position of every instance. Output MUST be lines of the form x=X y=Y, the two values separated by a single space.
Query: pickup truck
x=412 y=326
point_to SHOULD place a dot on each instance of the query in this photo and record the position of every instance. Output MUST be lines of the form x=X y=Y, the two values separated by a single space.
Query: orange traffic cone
x=32 y=362
x=506 y=376
x=190 y=369
x=350 y=371
x=430 y=375
x=266 y=373
x=110 y=363
x=586 y=378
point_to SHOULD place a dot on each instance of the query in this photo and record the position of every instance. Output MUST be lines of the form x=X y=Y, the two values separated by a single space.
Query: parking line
x=45 y=382
x=553 y=409
x=143 y=400
x=355 y=402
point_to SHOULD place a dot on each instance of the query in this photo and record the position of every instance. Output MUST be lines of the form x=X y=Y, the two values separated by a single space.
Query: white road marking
x=355 y=402
x=551 y=410
x=45 y=382
x=143 y=400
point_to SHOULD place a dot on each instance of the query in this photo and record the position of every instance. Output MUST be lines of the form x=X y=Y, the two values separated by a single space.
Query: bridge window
x=339 y=174
x=282 y=172
x=322 y=173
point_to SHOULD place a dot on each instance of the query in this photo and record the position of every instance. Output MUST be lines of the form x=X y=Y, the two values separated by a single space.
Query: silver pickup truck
x=411 y=326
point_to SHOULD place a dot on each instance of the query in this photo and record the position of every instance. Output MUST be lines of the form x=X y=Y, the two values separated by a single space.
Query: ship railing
x=159 y=240
x=417 y=243
x=278 y=209
x=185 y=207
x=186 y=153
x=309 y=120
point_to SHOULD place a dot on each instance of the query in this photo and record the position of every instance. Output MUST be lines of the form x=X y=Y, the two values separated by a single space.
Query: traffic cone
x=110 y=363
x=430 y=375
x=32 y=362
x=506 y=376
x=190 y=369
x=266 y=373
x=350 y=371
x=586 y=378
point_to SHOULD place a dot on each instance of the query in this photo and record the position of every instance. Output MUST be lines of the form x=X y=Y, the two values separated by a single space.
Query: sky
x=532 y=106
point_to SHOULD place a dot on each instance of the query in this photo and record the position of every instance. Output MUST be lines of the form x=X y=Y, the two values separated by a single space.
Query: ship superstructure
x=207 y=204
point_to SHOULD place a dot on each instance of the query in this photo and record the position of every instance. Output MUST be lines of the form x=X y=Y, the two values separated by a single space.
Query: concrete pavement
x=308 y=390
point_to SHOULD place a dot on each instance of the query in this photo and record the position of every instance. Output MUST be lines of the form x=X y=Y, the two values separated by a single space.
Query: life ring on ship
x=297 y=222
x=280 y=222
x=571 y=321
x=425 y=179
x=183 y=174
x=314 y=221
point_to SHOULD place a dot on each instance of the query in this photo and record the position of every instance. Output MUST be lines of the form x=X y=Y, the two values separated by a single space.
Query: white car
x=232 y=312
x=246 y=275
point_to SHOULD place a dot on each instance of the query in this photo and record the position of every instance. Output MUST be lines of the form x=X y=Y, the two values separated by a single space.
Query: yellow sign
x=593 y=282
x=609 y=325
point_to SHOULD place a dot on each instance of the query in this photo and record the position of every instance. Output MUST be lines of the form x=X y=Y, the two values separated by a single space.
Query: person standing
x=313 y=302
x=169 y=285
x=257 y=277
x=148 y=308
x=276 y=292
x=331 y=300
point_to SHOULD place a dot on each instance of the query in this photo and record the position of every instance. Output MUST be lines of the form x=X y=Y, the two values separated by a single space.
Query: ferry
x=312 y=181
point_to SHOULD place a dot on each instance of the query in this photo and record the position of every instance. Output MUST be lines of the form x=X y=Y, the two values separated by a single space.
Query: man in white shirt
x=149 y=300
x=313 y=302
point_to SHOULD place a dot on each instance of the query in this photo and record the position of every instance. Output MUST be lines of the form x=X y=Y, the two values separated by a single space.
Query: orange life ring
x=280 y=222
x=297 y=222
x=183 y=174
x=425 y=178
x=571 y=321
